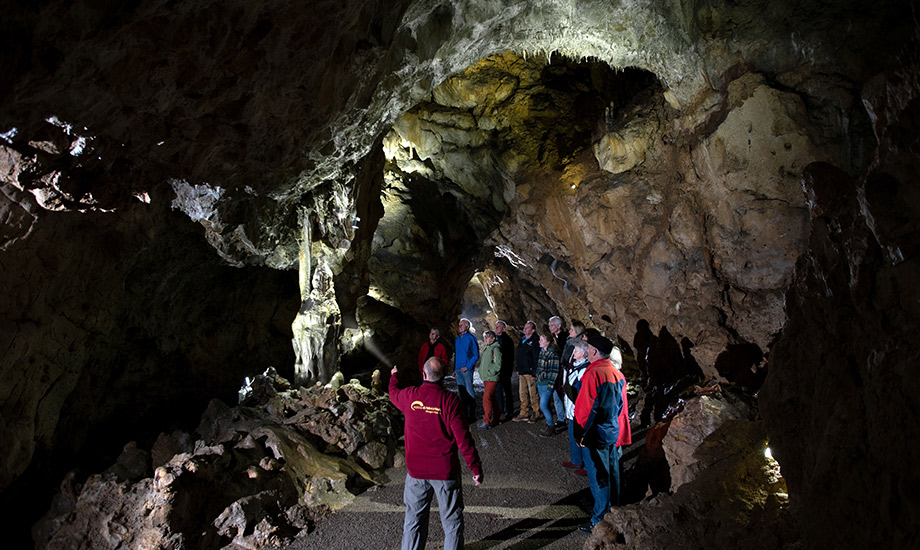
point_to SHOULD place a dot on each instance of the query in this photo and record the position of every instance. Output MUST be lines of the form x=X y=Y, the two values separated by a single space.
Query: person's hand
x=477 y=480
x=393 y=372
x=581 y=442
x=463 y=369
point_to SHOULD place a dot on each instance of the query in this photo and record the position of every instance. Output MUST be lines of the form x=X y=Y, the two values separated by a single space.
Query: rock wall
x=116 y=326
x=696 y=237
x=724 y=491
x=698 y=233
x=841 y=396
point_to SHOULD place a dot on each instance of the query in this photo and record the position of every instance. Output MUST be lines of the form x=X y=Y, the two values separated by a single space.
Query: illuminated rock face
x=679 y=203
x=253 y=476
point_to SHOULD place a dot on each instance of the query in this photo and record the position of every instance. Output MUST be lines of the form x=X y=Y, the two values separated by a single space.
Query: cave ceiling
x=589 y=154
x=275 y=108
x=272 y=103
x=562 y=137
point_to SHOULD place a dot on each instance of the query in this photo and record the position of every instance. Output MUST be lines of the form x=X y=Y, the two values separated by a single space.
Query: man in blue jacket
x=466 y=355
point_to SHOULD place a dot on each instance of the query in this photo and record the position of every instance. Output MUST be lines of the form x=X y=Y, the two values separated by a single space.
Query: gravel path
x=528 y=500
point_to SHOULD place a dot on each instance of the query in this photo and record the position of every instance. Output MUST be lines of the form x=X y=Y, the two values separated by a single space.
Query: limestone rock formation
x=259 y=474
x=110 y=312
x=723 y=488
x=689 y=442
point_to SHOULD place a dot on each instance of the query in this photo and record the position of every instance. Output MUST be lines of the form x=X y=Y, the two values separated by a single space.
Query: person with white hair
x=466 y=355
x=571 y=387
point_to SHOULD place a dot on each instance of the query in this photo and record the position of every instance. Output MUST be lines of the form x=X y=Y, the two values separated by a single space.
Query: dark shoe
x=560 y=427
x=585 y=527
x=532 y=419
x=520 y=418
x=568 y=464
x=581 y=472
x=547 y=432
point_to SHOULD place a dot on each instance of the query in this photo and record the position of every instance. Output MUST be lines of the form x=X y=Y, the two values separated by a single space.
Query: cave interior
x=194 y=192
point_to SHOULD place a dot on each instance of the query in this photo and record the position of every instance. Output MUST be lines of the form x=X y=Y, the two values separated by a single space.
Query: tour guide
x=597 y=426
x=435 y=430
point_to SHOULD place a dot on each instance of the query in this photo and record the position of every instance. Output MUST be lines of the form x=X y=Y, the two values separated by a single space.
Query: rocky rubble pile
x=257 y=475
x=719 y=485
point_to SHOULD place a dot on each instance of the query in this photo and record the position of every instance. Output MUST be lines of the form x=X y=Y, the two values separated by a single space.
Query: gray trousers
x=417 y=497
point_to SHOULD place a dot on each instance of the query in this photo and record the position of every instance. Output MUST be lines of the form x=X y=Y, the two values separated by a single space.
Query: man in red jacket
x=435 y=431
x=597 y=426
x=432 y=348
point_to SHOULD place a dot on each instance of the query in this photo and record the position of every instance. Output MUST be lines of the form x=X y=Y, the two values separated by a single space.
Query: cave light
x=377 y=294
x=77 y=147
x=773 y=468
x=9 y=135
x=573 y=175
x=66 y=126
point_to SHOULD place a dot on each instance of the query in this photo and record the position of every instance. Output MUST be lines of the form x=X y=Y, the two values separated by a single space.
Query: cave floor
x=528 y=500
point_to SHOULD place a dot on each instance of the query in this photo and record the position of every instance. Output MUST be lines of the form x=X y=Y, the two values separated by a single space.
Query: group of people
x=572 y=382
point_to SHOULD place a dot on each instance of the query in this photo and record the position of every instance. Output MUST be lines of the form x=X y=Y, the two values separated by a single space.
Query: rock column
x=315 y=326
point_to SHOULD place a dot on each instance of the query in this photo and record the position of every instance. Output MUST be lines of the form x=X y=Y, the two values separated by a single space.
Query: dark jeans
x=504 y=395
x=603 y=466
x=574 y=450
x=469 y=404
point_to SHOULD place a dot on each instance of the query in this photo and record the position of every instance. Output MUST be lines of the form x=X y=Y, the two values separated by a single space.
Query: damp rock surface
x=258 y=475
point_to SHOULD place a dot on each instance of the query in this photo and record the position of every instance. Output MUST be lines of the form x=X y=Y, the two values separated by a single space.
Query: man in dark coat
x=505 y=397
x=527 y=353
